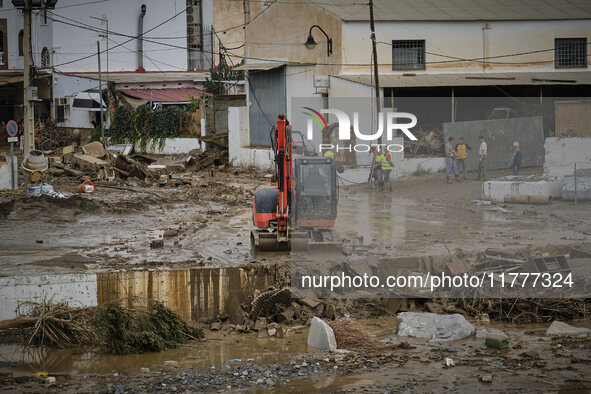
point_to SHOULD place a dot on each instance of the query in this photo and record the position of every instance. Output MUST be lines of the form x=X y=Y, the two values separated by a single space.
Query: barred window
x=408 y=54
x=570 y=52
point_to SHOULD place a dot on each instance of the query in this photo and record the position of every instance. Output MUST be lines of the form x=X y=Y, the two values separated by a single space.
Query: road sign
x=12 y=128
x=12 y=139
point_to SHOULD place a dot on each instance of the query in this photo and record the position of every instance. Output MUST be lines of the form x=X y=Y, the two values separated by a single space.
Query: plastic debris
x=449 y=362
x=433 y=326
x=558 y=328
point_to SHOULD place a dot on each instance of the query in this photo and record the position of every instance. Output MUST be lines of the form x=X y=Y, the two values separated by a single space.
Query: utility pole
x=98 y=54
x=375 y=60
x=29 y=106
x=246 y=5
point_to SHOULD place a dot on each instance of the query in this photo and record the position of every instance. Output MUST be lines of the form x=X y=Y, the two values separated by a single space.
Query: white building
x=175 y=52
x=425 y=49
x=12 y=59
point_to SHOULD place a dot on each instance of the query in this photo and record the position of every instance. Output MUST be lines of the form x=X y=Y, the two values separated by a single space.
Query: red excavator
x=298 y=213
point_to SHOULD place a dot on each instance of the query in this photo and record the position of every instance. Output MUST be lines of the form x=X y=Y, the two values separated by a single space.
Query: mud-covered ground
x=205 y=221
x=115 y=243
x=234 y=362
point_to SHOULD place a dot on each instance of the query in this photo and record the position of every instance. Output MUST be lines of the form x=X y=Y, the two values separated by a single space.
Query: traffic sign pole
x=12 y=182
x=12 y=130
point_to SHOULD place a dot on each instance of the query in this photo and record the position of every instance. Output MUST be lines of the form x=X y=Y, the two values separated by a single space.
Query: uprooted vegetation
x=109 y=328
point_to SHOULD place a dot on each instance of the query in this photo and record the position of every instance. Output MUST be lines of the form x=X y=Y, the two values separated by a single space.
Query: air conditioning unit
x=193 y=14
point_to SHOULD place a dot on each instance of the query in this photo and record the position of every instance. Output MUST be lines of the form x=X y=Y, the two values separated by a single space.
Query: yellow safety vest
x=383 y=159
x=329 y=153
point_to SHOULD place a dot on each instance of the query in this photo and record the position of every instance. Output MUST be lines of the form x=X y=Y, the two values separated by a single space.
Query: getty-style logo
x=389 y=121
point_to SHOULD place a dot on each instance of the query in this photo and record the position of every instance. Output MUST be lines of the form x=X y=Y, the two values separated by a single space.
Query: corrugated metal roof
x=457 y=10
x=175 y=95
x=474 y=79
x=146 y=77
x=260 y=66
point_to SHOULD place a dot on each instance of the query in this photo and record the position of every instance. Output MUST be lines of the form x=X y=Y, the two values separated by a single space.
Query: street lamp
x=311 y=43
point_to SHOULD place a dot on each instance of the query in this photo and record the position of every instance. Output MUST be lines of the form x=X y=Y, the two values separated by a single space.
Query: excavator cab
x=316 y=196
x=300 y=211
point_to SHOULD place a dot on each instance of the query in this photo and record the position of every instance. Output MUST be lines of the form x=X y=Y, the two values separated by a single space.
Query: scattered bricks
x=157 y=244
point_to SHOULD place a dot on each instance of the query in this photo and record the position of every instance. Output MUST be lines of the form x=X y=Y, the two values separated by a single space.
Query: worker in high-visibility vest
x=384 y=164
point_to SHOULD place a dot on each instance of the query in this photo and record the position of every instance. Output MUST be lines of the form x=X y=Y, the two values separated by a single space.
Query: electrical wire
x=133 y=38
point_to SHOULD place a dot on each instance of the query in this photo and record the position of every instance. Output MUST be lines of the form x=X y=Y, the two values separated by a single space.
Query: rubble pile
x=269 y=312
x=118 y=162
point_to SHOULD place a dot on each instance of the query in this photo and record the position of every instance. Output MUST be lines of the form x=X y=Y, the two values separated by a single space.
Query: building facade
x=432 y=49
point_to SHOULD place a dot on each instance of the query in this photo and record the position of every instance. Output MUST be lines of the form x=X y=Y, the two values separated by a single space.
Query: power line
x=133 y=38
x=230 y=54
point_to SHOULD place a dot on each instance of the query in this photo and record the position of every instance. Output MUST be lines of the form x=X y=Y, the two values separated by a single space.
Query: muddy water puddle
x=217 y=350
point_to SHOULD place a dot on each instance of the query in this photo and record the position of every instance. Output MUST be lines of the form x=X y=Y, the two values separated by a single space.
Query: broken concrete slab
x=321 y=335
x=497 y=189
x=561 y=329
x=85 y=162
x=433 y=326
x=94 y=149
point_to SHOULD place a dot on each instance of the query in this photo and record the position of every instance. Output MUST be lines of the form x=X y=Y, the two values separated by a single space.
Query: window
x=570 y=52
x=62 y=109
x=45 y=58
x=408 y=55
x=21 y=36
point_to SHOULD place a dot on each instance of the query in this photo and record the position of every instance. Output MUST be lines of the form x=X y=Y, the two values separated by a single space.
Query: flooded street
x=190 y=249
x=244 y=362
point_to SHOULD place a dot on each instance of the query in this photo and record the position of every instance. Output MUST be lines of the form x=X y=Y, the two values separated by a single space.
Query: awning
x=259 y=66
x=473 y=79
x=165 y=96
x=89 y=100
